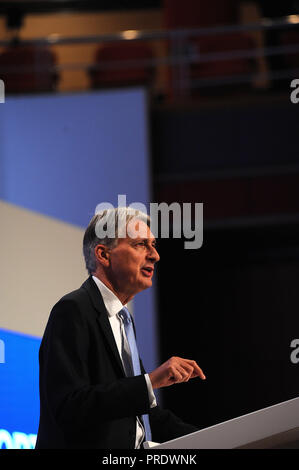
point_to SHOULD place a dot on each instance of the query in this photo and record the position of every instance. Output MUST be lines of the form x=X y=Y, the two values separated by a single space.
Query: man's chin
x=146 y=283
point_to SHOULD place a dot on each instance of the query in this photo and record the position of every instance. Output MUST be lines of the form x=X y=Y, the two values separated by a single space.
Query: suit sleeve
x=165 y=425
x=64 y=377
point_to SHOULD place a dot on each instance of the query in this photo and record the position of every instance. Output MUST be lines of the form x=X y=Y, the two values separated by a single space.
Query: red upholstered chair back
x=199 y=13
x=27 y=69
x=122 y=63
x=196 y=14
x=290 y=38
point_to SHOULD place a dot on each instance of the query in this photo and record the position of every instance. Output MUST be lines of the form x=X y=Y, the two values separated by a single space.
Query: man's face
x=132 y=261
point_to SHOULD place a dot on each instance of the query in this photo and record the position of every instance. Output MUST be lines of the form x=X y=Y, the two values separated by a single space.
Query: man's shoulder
x=72 y=312
x=77 y=295
x=78 y=301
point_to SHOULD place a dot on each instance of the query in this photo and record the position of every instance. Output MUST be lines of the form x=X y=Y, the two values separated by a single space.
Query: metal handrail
x=179 y=57
x=137 y=35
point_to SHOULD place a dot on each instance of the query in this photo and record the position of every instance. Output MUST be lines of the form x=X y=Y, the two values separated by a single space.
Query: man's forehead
x=138 y=230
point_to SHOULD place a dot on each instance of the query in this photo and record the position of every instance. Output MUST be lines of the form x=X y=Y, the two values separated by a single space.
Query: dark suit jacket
x=86 y=401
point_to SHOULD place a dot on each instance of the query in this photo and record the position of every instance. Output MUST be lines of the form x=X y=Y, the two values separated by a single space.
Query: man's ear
x=102 y=254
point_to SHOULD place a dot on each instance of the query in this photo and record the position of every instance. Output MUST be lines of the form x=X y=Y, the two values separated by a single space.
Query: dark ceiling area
x=47 y=6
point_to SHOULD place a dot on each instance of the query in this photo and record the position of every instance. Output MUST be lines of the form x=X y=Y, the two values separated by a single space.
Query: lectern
x=275 y=427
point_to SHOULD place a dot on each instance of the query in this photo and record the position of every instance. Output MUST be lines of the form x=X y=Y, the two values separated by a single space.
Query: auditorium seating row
x=31 y=68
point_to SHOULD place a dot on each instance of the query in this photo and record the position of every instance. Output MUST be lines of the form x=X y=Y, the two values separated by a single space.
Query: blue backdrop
x=19 y=400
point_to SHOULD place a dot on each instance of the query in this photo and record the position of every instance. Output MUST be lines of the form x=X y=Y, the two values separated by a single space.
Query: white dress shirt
x=113 y=306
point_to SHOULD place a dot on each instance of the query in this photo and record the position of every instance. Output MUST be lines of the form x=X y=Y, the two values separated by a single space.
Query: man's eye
x=146 y=244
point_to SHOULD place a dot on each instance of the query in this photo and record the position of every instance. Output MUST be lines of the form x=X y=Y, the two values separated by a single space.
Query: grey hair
x=116 y=218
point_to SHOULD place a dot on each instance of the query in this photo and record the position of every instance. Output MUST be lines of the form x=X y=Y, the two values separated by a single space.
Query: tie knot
x=125 y=315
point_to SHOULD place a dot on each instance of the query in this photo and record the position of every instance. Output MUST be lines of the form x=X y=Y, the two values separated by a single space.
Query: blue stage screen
x=19 y=399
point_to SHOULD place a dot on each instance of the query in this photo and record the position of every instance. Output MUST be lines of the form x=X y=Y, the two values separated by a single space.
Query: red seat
x=224 y=43
x=199 y=13
x=27 y=69
x=290 y=38
x=122 y=63
x=203 y=14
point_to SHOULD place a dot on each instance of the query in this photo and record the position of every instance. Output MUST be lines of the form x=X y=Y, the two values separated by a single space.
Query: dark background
x=232 y=305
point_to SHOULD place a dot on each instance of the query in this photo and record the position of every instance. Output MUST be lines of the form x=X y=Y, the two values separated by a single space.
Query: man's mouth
x=148 y=271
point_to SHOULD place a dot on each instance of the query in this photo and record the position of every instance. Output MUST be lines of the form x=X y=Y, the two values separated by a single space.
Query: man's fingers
x=185 y=373
x=175 y=370
x=175 y=375
x=188 y=370
x=181 y=371
x=197 y=372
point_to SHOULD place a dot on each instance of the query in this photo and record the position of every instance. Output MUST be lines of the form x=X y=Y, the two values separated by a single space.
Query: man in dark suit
x=88 y=397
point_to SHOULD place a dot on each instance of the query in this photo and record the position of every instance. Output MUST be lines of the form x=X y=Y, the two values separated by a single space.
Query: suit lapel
x=102 y=318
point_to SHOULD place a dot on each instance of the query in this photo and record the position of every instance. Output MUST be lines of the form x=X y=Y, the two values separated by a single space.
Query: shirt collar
x=112 y=303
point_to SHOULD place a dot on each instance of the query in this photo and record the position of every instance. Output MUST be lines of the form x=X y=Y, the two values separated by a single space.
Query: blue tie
x=126 y=317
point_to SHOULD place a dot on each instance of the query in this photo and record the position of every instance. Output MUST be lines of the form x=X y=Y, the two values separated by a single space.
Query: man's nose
x=153 y=255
